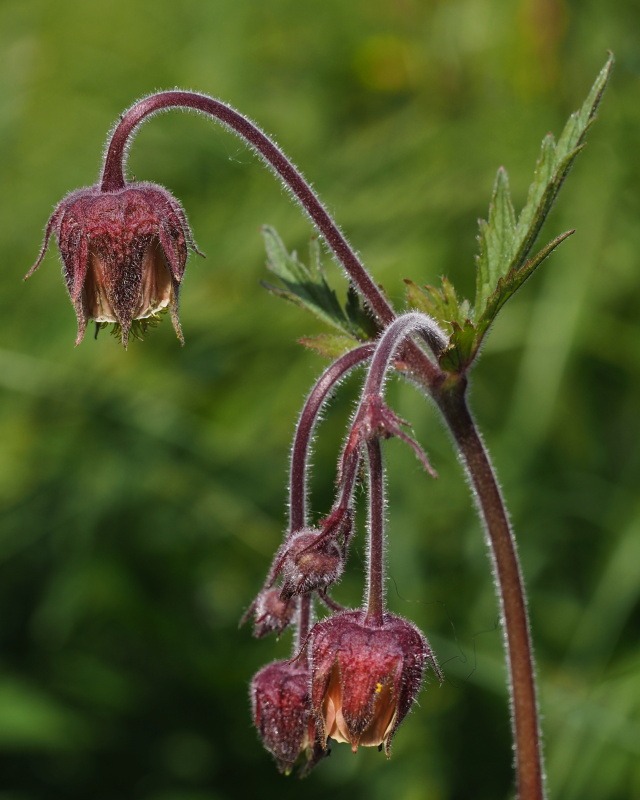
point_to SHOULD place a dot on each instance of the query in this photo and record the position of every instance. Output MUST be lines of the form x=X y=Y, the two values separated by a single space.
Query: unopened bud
x=312 y=561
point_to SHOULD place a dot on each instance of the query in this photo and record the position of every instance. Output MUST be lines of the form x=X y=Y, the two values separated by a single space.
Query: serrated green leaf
x=497 y=242
x=554 y=163
x=303 y=286
x=308 y=288
x=509 y=284
x=502 y=265
x=538 y=196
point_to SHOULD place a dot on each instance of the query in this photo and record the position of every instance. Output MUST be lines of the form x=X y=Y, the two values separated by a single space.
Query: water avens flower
x=365 y=677
x=123 y=255
x=280 y=709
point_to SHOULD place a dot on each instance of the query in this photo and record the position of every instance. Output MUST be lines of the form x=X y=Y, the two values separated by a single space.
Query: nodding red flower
x=280 y=709
x=123 y=254
x=364 y=678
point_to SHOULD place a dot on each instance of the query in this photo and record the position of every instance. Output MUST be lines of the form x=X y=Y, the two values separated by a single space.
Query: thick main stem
x=375 y=586
x=528 y=751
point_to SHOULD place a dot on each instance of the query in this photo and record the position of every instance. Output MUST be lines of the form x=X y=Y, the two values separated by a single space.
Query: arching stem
x=298 y=474
x=113 y=177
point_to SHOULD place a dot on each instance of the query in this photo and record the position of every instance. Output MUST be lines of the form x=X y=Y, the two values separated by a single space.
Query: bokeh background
x=143 y=492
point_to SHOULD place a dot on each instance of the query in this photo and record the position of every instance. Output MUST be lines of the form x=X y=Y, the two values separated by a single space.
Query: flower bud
x=123 y=254
x=271 y=614
x=312 y=561
x=280 y=709
x=364 y=678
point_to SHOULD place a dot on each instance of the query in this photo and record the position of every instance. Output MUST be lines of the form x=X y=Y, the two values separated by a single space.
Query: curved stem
x=391 y=340
x=298 y=474
x=510 y=589
x=309 y=416
x=375 y=586
x=113 y=177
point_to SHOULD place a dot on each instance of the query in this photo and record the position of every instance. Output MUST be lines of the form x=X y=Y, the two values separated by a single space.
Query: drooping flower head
x=364 y=678
x=282 y=715
x=123 y=254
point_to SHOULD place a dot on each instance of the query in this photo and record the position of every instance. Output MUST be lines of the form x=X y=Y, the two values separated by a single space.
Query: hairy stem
x=309 y=416
x=303 y=624
x=510 y=589
x=390 y=341
x=375 y=586
x=113 y=177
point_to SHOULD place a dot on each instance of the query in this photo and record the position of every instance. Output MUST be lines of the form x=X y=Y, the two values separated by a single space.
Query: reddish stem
x=309 y=416
x=113 y=177
x=375 y=588
x=511 y=592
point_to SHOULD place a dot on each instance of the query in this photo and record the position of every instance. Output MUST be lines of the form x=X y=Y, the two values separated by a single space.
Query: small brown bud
x=312 y=561
x=272 y=614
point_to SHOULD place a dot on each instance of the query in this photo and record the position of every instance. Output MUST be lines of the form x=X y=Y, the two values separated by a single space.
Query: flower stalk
x=309 y=416
x=113 y=176
x=375 y=602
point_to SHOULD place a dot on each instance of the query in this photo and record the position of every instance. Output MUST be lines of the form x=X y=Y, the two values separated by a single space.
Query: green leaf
x=496 y=239
x=503 y=263
x=509 y=284
x=302 y=285
x=554 y=163
x=308 y=288
x=440 y=303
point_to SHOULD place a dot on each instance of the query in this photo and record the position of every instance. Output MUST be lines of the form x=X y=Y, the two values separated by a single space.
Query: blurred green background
x=143 y=492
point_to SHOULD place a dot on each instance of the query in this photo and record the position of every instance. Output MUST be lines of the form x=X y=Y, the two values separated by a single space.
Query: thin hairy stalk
x=375 y=553
x=309 y=416
x=390 y=341
x=298 y=475
x=510 y=590
x=303 y=624
x=113 y=177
